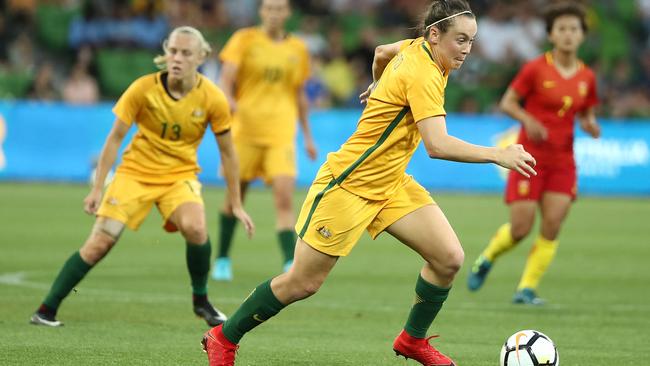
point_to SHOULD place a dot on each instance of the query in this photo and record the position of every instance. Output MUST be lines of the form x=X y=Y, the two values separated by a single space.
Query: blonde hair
x=161 y=61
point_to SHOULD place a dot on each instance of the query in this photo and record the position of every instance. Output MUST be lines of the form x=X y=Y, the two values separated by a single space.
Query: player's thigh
x=103 y=236
x=428 y=232
x=279 y=161
x=332 y=219
x=128 y=201
x=251 y=159
x=181 y=206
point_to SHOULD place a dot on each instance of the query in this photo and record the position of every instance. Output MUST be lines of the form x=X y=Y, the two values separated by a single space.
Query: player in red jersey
x=555 y=88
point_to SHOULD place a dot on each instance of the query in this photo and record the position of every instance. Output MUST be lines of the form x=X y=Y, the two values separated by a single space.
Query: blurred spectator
x=43 y=87
x=21 y=53
x=81 y=87
x=341 y=36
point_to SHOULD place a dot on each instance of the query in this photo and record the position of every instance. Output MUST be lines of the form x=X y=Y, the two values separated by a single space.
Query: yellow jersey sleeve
x=405 y=43
x=425 y=95
x=128 y=106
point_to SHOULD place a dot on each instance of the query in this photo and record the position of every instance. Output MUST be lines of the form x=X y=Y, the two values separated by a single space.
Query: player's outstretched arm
x=440 y=145
x=303 y=118
x=588 y=122
x=231 y=174
x=510 y=105
x=227 y=81
x=383 y=54
x=106 y=161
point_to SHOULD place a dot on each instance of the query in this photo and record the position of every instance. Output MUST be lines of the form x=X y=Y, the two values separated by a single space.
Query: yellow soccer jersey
x=372 y=162
x=269 y=79
x=163 y=150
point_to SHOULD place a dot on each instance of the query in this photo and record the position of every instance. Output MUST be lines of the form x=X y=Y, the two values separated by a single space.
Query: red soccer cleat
x=221 y=351
x=420 y=350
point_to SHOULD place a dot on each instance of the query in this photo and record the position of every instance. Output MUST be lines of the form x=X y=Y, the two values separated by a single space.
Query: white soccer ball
x=529 y=348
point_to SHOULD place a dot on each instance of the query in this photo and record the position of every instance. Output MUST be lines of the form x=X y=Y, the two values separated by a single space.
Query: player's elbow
x=435 y=150
x=382 y=54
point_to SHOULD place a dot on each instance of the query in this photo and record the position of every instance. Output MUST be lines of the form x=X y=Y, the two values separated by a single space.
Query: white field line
x=19 y=279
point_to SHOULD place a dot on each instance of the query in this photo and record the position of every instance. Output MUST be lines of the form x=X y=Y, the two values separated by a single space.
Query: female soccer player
x=263 y=76
x=555 y=88
x=363 y=186
x=172 y=110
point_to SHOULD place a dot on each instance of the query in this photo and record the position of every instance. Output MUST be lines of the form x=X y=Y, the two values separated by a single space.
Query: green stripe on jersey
x=352 y=167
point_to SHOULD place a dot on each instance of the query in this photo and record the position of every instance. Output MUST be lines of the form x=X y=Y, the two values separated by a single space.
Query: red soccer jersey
x=554 y=100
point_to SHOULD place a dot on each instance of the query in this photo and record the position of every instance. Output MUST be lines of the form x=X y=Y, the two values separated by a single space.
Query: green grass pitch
x=135 y=309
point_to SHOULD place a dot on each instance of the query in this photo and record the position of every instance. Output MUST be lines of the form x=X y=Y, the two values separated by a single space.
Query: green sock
x=428 y=302
x=198 y=264
x=227 y=226
x=258 y=307
x=287 y=240
x=73 y=271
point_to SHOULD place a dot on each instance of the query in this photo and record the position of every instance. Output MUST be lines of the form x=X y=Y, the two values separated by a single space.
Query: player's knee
x=96 y=247
x=310 y=288
x=454 y=261
x=194 y=232
x=283 y=203
x=520 y=230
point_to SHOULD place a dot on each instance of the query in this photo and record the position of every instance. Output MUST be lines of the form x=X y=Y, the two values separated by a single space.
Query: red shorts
x=559 y=179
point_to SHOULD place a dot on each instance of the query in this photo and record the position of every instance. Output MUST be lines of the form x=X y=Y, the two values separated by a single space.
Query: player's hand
x=92 y=201
x=311 y=149
x=535 y=131
x=363 y=97
x=514 y=157
x=592 y=128
x=246 y=220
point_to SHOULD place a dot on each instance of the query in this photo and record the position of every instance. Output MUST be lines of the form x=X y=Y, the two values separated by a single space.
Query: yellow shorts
x=266 y=162
x=129 y=201
x=332 y=219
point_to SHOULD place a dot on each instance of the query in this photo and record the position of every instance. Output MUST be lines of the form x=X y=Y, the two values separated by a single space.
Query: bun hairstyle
x=160 y=60
x=556 y=10
x=441 y=13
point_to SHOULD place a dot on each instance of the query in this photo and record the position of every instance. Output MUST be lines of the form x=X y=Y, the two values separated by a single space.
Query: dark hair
x=440 y=9
x=559 y=9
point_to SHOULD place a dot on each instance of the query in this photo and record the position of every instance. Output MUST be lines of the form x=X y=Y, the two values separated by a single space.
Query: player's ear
x=433 y=35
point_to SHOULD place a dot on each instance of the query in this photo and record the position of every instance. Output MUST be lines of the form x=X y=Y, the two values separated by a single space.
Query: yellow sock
x=540 y=257
x=501 y=242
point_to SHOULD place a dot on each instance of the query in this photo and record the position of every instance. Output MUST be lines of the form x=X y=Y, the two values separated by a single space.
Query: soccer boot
x=287 y=265
x=527 y=296
x=478 y=273
x=44 y=319
x=221 y=351
x=209 y=313
x=222 y=269
x=420 y=350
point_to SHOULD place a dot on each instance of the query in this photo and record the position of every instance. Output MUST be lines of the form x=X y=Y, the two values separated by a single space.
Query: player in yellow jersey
x=263 y=76
x=172 y=110
x=363 y=186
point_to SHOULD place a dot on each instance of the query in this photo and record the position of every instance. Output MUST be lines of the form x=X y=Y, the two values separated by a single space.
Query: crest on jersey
x=582 y=88
x=523 y=188
x=324 y=232
x=548 y=84
x=198 y=113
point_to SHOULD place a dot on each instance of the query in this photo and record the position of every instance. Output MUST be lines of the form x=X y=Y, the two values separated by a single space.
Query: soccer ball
x=529 y=348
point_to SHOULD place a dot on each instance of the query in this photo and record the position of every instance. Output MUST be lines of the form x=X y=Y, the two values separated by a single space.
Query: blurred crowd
x=84 y=51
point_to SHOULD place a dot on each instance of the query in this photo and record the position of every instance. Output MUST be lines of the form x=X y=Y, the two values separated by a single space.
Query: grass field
x=135 y=309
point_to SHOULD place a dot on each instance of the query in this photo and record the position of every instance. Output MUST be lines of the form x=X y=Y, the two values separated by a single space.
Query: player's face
x=454 y=45
x=566 y=34
x=183 y=55
x=274 y=13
